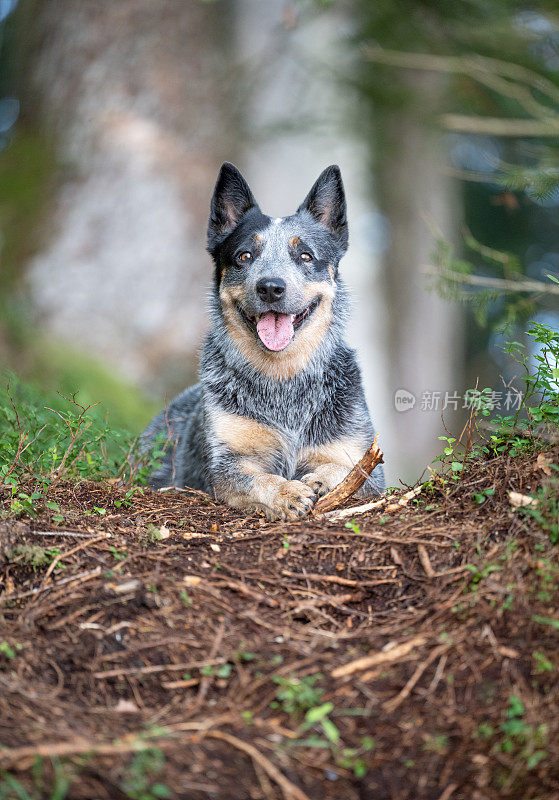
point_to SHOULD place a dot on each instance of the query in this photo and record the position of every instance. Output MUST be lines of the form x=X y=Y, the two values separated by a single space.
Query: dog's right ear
x=231 y=199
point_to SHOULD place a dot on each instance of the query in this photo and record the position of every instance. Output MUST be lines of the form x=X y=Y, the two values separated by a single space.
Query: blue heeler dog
x=279 y=416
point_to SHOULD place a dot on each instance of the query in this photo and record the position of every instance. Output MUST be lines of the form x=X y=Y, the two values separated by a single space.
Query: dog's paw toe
x=294 y=500
x=316 y=483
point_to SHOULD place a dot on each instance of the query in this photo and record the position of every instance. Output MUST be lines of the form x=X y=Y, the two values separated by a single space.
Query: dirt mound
x=159 y=644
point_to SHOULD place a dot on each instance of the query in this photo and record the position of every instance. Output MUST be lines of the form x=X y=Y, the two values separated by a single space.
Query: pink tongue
x=275 y=330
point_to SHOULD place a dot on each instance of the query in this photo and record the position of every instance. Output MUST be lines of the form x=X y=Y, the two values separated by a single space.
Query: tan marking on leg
x=331 y=271
x=244 y=435
x=330 y=463
x=345 y=451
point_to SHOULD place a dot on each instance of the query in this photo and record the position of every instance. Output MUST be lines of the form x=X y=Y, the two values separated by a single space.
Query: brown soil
x=121 y=642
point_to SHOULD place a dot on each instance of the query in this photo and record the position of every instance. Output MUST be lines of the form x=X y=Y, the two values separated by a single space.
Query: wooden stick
x=392 y=705
x=352 y=482
x=395 y=654
x=335 y=516
x=290 y=790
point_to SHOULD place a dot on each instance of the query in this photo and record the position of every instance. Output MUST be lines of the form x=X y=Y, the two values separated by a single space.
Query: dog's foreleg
x=277 y=497
x=324 y=466
x=250 y=488
x=244 y=456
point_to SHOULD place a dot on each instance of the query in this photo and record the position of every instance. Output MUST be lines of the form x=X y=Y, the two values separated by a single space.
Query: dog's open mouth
x=275 y=330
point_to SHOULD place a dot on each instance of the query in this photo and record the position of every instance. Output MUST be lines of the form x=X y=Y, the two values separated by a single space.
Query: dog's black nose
x=270 y=289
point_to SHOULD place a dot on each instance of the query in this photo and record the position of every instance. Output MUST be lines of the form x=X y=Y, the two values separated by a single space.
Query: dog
x=279 y=416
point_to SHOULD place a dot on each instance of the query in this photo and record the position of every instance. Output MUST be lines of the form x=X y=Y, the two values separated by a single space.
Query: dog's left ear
x=231 y=199
x=326 y=203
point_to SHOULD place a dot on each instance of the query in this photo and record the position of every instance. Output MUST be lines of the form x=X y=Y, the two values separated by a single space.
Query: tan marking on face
x=311 y=290
x=244 y=435
x=286 y=363
x=258 y=238
x=294 y=241
x=331 y=271
x=344 y=452
x=231 y=294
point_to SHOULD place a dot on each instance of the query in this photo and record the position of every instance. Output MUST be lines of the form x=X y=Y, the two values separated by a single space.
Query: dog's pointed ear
x=231 y=199
x=326 y=203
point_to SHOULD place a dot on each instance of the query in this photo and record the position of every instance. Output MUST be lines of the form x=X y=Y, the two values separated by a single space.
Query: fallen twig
x=65 y=533
x=311 y=576
x=394 y=654
x=290 y=791
x=247 y=591
x=425 y=560
x=353 y=481
x=336 y=516
x=16 y=754
x=113 y=673
x=81 y=576
x=405 y=499
x=71 y=552
x=391 y=705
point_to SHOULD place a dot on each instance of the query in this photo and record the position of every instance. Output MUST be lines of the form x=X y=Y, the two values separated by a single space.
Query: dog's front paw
x=316 y=483
x=294 y=500
x=325 y=478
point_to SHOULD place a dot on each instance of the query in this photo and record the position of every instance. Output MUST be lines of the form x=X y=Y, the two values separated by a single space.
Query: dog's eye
x=244 y=257
x=305 y=257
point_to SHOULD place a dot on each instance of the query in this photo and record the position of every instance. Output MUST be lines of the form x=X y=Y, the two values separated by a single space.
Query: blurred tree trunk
x=423 y=333
x=135 y=94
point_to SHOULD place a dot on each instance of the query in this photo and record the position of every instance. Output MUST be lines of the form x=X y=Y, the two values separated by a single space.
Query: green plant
x=513 y=434
x=63 y=775
x=318 y=717
x=479 y=573
x=8 y=650
x=436 y=743
x=546 y=508
x=543 y=385
x=521 y=738
x=152 y=534
x=353 y=526
x=297 y=695
x=553 y=623
x=45 y=436
x=127 y=502
x=484 y=731
x=24 y=503
x=34 y=556
x=246 y=655
x=450 y=453
x=186 y=599
x=542 y=663
x=138 y=782
x=117 y=555
x=481 y=497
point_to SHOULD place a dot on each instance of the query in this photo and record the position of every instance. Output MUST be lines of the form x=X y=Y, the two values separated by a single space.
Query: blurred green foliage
x=27 y=169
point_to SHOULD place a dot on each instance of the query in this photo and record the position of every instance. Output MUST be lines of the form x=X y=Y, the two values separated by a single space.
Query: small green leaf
x=332 y=733
x=318 y=713
x=546 y=621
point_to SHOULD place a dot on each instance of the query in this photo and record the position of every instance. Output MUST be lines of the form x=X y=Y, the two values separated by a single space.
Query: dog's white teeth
x=292 y=317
